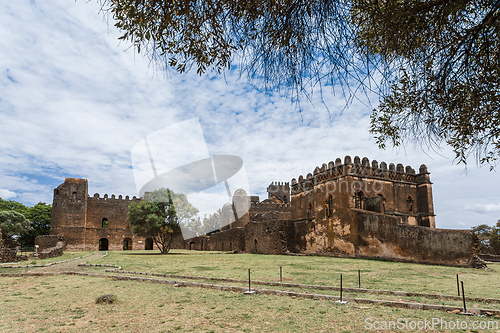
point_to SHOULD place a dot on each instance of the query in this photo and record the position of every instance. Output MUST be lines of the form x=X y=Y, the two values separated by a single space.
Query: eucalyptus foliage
x=441 y=72
x=433 y=63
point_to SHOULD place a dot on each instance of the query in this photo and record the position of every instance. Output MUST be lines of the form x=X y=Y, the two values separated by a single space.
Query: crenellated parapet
x=259 y=207
x=280 y=190
x=114 y=198
x=360 y=168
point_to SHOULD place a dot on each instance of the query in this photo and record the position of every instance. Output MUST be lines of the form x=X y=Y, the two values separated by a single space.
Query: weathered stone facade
x=355 y=208
x=92 y=223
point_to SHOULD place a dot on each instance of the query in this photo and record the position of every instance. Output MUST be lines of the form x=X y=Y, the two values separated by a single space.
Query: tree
x=212 y=222
x=495 y=238
x=483 y=233
x=13 y=205
x=441 y=65
x=435 y=64
x=13 y=224
x=156 y=217
x=489 y=238
x=40 y=216
x=286 y=44
x=183 y=208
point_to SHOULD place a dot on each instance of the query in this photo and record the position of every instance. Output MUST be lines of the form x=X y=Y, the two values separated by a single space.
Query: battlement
x=113 y=198
x=360 y=168
x=281 y=190
x=257 y=207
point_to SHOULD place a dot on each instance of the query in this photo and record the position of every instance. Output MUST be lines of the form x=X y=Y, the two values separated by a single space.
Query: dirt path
x=71 y=265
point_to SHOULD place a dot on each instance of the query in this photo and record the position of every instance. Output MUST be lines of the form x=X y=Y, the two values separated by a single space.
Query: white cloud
x=483 y=208
x=74 y=101
x=7 y=194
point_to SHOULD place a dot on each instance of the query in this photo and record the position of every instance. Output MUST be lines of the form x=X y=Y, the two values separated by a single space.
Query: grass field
x=375 y=274
x=65 y=303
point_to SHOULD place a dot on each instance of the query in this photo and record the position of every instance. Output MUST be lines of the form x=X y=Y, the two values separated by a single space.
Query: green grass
x=145 y=307
x=65 y=303
x=375 y=274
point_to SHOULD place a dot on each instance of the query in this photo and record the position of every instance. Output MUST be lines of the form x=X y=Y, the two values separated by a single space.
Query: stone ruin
x=352 y=208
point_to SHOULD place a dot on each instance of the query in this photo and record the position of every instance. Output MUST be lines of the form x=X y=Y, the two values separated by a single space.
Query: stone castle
x=348 y=208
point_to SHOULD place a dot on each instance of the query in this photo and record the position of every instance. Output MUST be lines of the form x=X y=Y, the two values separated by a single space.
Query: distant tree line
x=489 y=238
x=22 y=224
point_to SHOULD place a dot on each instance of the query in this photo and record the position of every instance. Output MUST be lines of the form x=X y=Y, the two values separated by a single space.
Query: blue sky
x=74 y=101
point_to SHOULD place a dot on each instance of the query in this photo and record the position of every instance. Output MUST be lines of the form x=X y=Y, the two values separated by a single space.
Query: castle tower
x=424 y=199
x=69 y=210
x=280 y=190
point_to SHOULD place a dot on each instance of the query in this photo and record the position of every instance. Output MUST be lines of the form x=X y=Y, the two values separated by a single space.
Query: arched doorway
x=127 y=244
x=103 y=244
x=191 y=246
x=255 y=245
x=148 y=244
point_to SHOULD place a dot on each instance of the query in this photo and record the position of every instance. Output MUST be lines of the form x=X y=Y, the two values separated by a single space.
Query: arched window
x=359 y=198
x=73 y=196
x=330 y=206
x=383 y=202
x=104 y=223
x=309 y=211
x=410 y=204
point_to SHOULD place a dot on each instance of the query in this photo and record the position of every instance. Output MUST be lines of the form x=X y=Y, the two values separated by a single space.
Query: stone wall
x=269 y=234
x=229 y=240
x=382 y=236
x=49 y=246
x=199 y=243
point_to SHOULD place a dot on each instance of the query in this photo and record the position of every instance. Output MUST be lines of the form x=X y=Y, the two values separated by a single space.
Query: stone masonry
x=354 y=208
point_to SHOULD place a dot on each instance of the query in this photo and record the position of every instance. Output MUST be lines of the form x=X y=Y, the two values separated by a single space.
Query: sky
x=75 y=101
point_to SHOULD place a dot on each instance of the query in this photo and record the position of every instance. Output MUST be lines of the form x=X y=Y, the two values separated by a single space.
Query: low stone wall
x=8 y=255
x=382 y=236
x=50 y=246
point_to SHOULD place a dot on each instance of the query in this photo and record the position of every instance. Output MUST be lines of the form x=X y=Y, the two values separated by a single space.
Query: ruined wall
x=229 y=240
x=50 y=246
x=199 y=243
x=268 y=233
x=48 y=241
x=385 y=237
